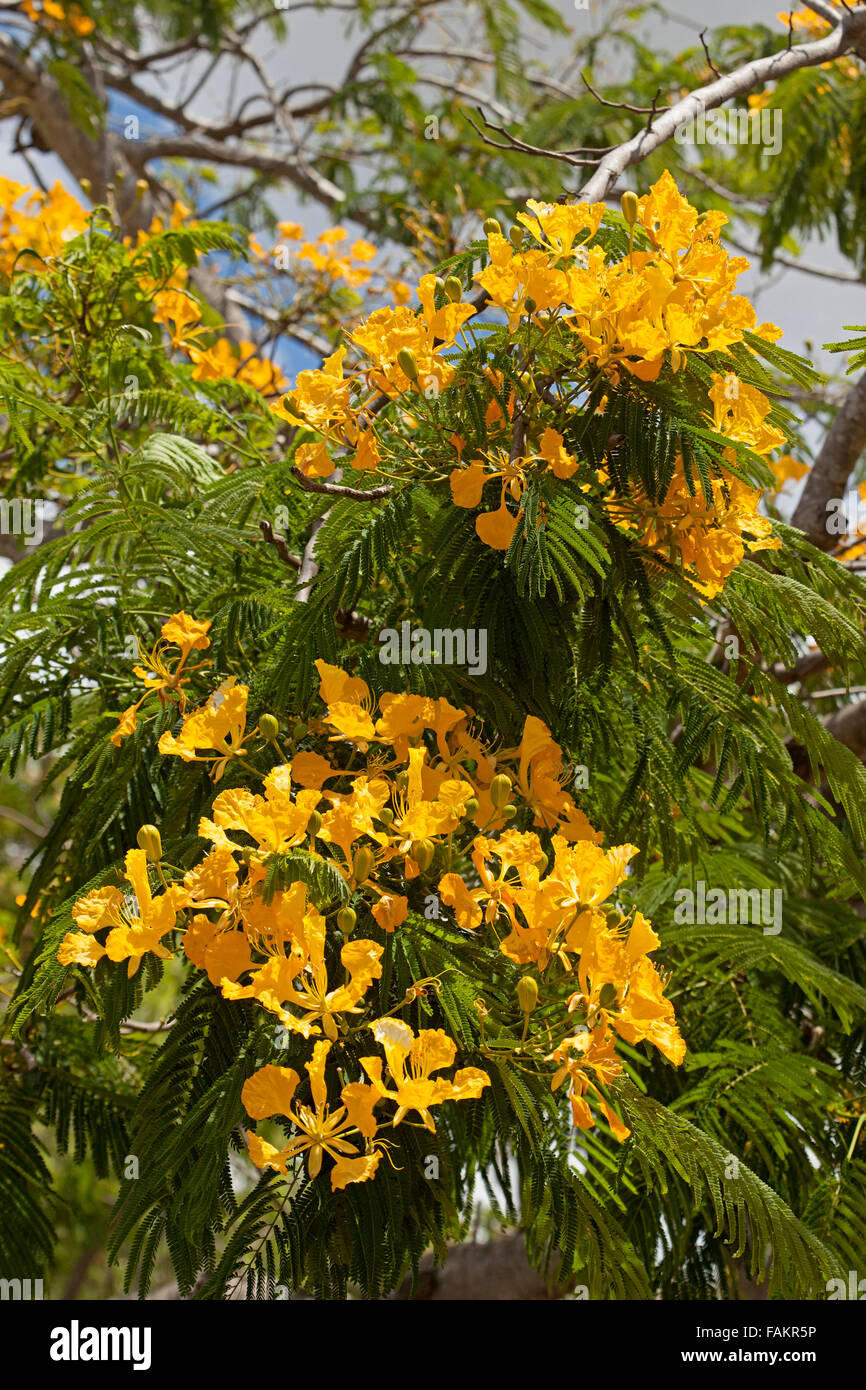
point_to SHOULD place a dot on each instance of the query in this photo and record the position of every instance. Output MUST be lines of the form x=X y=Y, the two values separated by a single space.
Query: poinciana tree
x=411 y=708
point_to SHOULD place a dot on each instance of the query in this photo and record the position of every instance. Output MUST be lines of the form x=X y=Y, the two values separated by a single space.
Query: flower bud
x=530 y=305
x=438 y=284
x=386 y=815
x=471 y=807
x=362 y=864
x=527 y=994
x=402 y=781
x=424 y=851
x=86 y=187
x=509 y=812
x=149 y=840
x=346 y=919
x=299 y=730
x=408 y=363
x=454 y=289
x=141 y=187
x=515 y=236
x=269 y=728
x=500 y=790
x=542 y=861
x=492 y=227
x=628 y=203
x=314 y=824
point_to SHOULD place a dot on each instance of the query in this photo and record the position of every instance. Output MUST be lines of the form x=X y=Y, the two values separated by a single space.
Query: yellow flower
x=576 y=1057
x=557 y=225
x=387 y=331
x=223 y=955
x=321 y=1005
x=321 y=397
x=275 y=821
x=559 y=460
x=391 y=911
x=177 y=310
x=179 y=630
x=416 y=1090
x=513 y=278
x=79 y=948
x=218 y=725
x=138 y=922
x=271 y=1091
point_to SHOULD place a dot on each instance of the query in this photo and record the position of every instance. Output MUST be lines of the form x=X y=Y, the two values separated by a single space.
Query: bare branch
x=280 y=546
x=849 y=36
x=358 y=494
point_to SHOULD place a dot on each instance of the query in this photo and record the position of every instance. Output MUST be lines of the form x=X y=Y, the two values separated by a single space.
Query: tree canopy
x=431 y=725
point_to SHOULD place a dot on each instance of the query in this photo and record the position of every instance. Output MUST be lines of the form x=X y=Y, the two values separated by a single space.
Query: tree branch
x=828 y=477
x=849 y=36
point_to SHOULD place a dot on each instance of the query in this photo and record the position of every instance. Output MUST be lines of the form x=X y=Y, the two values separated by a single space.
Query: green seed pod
x=386 y=815
x=471 y=807
x=491 y=227
x=509 y=812
x=346 y=919
x=408 y=363
x=402 y=781
x=527 y=994
x=530 y=305
x=299 y=731
x=628 y=203
x=425 y=851
x=542 y=861
x=269 y=728
x=149 y=840
x=314 y=824
x=454 y=289
x=515 y=236
x=500 y=790
x=362 y=864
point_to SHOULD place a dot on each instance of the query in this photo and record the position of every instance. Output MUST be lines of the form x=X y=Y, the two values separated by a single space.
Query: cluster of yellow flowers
x=181 y=314
x=429 y=807
x=710 y=539
x=323 y=254
x=43 y=224
x=401 y=348
x=629 y=316
x=53 y=16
